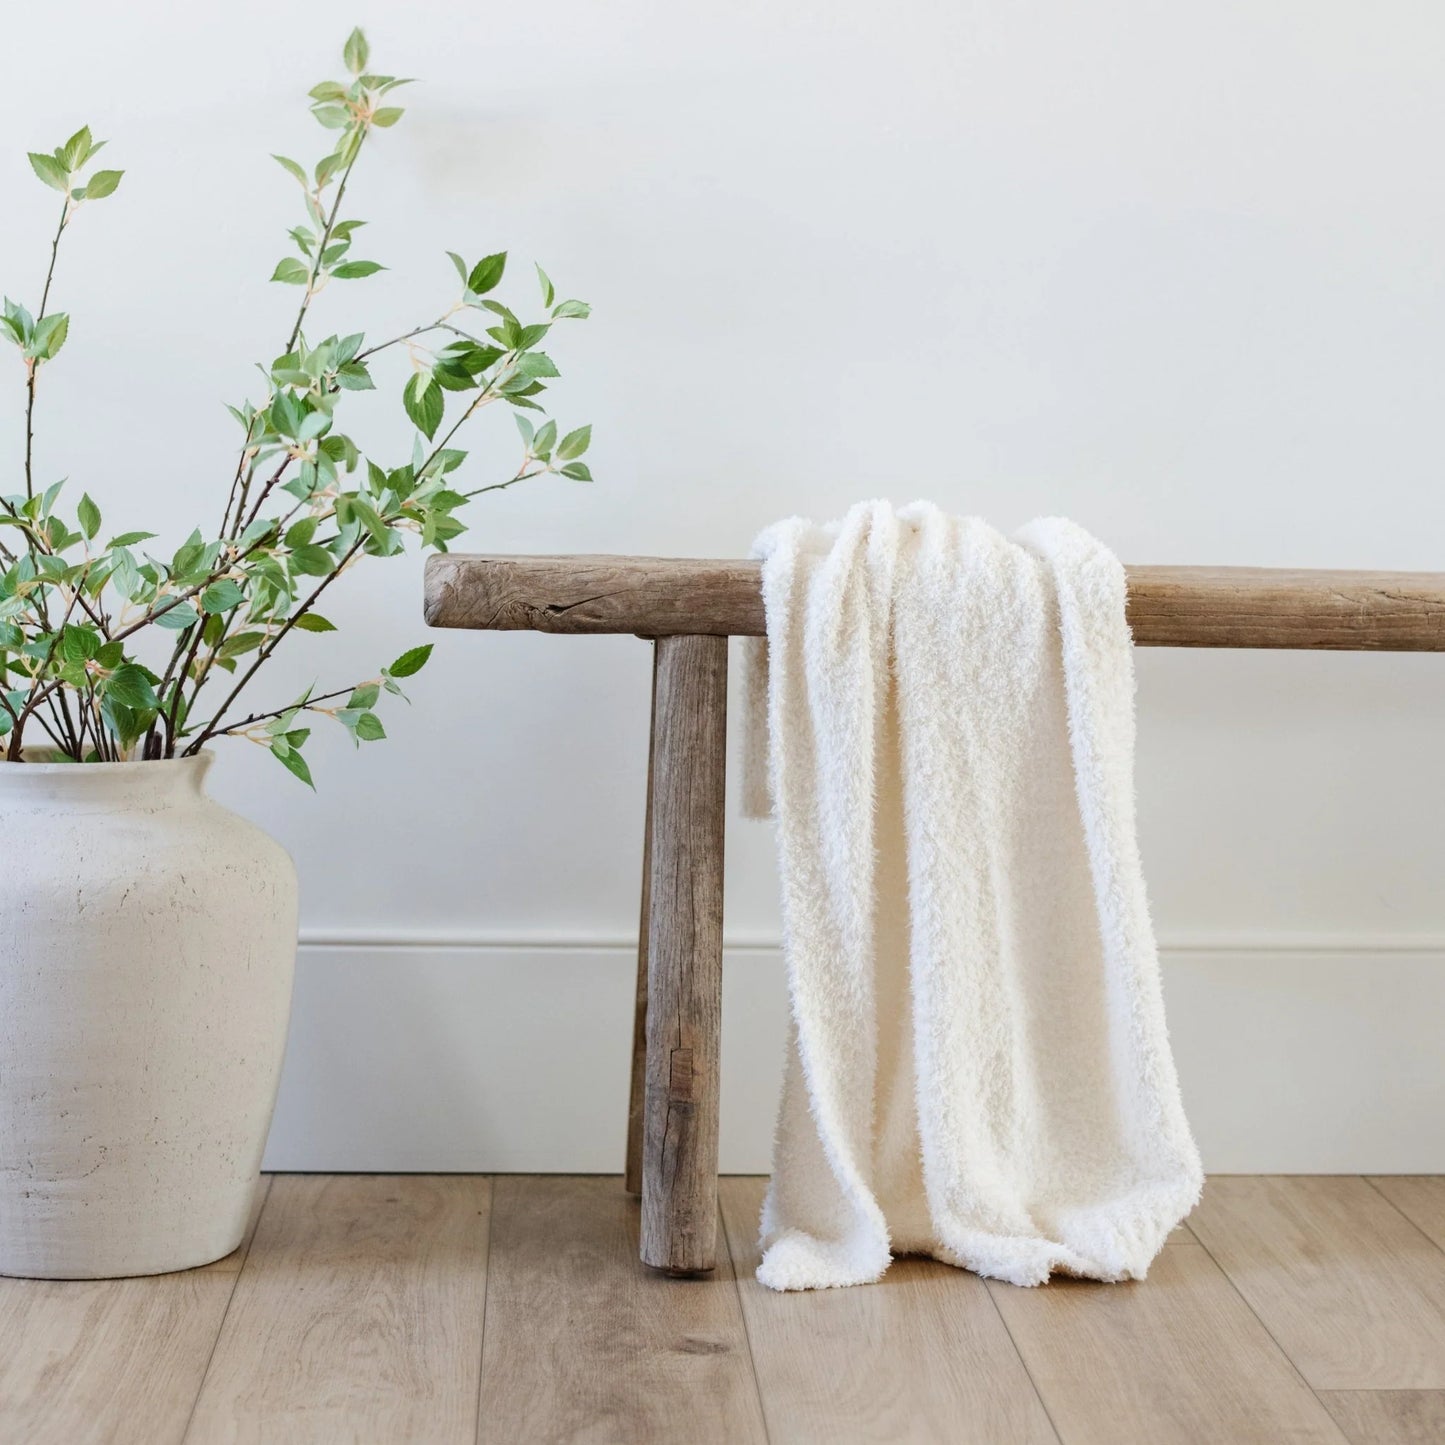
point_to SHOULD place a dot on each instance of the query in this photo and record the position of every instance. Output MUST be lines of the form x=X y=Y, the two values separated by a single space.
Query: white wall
x=1175 y=270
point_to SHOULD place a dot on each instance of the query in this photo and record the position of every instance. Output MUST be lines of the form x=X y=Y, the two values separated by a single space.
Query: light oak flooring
x=453 y=1308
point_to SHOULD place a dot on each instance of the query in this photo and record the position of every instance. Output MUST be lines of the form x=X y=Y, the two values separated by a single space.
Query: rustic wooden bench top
x=1168 y=606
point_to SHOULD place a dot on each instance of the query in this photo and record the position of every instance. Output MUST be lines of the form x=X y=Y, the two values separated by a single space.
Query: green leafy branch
x=82 y=622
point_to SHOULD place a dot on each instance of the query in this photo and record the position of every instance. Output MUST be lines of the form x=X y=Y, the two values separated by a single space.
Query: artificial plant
x=109 y=652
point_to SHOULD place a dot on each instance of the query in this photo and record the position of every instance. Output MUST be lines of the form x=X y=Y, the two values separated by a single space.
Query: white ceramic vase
x=147 y=945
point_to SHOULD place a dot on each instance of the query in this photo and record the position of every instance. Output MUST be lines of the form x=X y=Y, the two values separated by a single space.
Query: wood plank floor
x=455 y=1308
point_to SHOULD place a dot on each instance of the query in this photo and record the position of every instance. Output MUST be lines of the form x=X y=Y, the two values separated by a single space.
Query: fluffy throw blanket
x=942 y=721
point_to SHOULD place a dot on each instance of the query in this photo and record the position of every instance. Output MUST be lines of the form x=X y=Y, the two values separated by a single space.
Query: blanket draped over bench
x=942 y=721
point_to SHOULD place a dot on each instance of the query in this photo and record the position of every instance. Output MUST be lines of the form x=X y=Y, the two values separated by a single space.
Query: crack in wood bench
x=688 y=608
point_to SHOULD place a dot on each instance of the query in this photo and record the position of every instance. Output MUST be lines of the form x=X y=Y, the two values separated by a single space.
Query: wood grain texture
x=1167 y=606
x=358 y=1316
x=684 y=955
x=922 y=1356
x=113 y=1360
x=1388 y=1417
x=582 y=1344
x=1353 y=1292
x=637 y=1088
x=1419 y=1197
x=1177 y=1359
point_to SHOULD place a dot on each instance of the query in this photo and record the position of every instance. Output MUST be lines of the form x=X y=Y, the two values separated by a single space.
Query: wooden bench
x=688 y=608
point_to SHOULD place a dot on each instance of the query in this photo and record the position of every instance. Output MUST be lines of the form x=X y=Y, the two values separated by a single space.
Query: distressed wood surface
x=637 y=1089
x=358 y=1316
x=1352 y=1290
x=684 y=955
x=118 y=1361
x=1167 y=606
x=582 y=1344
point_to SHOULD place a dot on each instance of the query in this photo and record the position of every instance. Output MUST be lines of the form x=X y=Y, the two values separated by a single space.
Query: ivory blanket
x=942 y=721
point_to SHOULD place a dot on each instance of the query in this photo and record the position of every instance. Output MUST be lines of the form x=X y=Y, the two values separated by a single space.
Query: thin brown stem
x=267 y=648
x=33 y=366
x=308 y=706
x=38 y=695
x=325 y=241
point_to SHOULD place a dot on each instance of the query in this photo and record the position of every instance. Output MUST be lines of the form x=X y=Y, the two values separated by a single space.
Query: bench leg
x=638 y=1091
x=684 y=955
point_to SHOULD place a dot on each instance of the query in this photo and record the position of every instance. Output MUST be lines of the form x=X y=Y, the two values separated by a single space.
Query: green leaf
x=49 y=336
x=327 y=90
x=313 y=561
x=298 y=534
x=351 y=270
x=19 y=320
x=576 y=310
x=460 y=265
x=287 y=414
x=452 y=378
x=292 y=761
x=356 y=52
x=327 y=167
x=129 y=539
x=314 y=622
x=50 y=171
x=478 y=359
x=333 y=117
x=293 y=168
x=368 y=728
x=387 y=116
x=577 y=472
x=291 y=271
x=353 y=376
x=536 y=363
x=486 y=273
x=130 y=685
x=242 y=642
x=545 y=439
x=575 y=443
x=89 y=515
x=79 y=644
x=364 y=696
x=424 y=402
x=76 y=149
x=545 y=281
x=411 y=661
x=222 y=596
x=176 y=618
x=102 y=184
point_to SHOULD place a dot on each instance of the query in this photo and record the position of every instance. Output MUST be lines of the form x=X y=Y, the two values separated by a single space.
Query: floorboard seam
x=1284 y=1353
x=743 y=1317
x=1028 y=1373
x=486 y=1299
x=1428 y=1240
x=221 y=1323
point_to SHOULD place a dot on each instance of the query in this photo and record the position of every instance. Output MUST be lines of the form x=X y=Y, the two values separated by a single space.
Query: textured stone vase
x=147 y=945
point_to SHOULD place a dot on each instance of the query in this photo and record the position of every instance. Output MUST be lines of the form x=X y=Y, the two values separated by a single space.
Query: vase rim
x=105 y=786
x=194 y=760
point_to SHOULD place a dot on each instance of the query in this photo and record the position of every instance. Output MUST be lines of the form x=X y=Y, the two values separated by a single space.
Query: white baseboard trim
x=439 y=1050
x=1253 y=942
